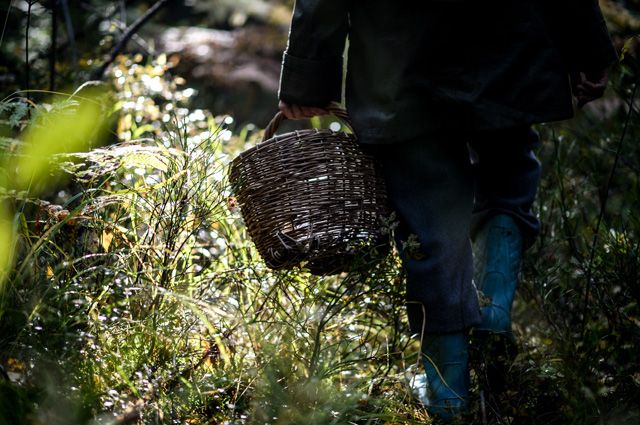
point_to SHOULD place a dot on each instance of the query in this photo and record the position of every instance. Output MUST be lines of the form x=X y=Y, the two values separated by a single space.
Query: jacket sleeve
x=311 y=72
x=581 y=34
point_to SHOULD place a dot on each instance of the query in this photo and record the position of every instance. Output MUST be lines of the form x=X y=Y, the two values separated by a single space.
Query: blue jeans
x=442 y=188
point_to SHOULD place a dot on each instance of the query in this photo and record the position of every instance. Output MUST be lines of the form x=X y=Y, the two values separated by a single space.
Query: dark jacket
x=416 y=66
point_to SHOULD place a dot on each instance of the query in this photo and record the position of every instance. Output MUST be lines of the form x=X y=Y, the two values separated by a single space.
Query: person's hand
x=299 y=112
x=588 y=86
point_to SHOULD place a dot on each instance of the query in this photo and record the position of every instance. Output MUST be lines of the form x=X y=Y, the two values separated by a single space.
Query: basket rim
x=298 y=134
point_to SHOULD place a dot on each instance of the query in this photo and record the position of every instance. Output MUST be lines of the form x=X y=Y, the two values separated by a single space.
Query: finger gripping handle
x=274 y=124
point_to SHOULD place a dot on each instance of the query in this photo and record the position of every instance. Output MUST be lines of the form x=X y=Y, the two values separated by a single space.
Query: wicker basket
x=312 y=197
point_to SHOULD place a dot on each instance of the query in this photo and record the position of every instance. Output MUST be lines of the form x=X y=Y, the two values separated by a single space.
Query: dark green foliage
x=16 y=404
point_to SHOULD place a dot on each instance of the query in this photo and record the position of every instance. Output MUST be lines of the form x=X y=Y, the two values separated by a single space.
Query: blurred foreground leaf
x=65 y=127
x=6 y=244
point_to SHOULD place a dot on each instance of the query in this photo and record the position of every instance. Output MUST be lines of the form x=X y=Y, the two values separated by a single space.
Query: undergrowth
x=135 y=296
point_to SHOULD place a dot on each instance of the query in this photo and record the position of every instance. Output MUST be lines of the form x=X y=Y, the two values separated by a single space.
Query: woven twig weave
x=310 y=196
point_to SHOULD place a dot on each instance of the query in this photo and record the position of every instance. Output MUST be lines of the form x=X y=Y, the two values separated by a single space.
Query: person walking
x=444 y=93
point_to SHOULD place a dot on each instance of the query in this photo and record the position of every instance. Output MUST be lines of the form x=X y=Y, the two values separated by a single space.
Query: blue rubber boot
x=498 y=249
x=499 y=254
x=446 y=362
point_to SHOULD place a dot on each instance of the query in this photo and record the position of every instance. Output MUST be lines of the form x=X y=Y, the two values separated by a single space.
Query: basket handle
x=334 y=109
